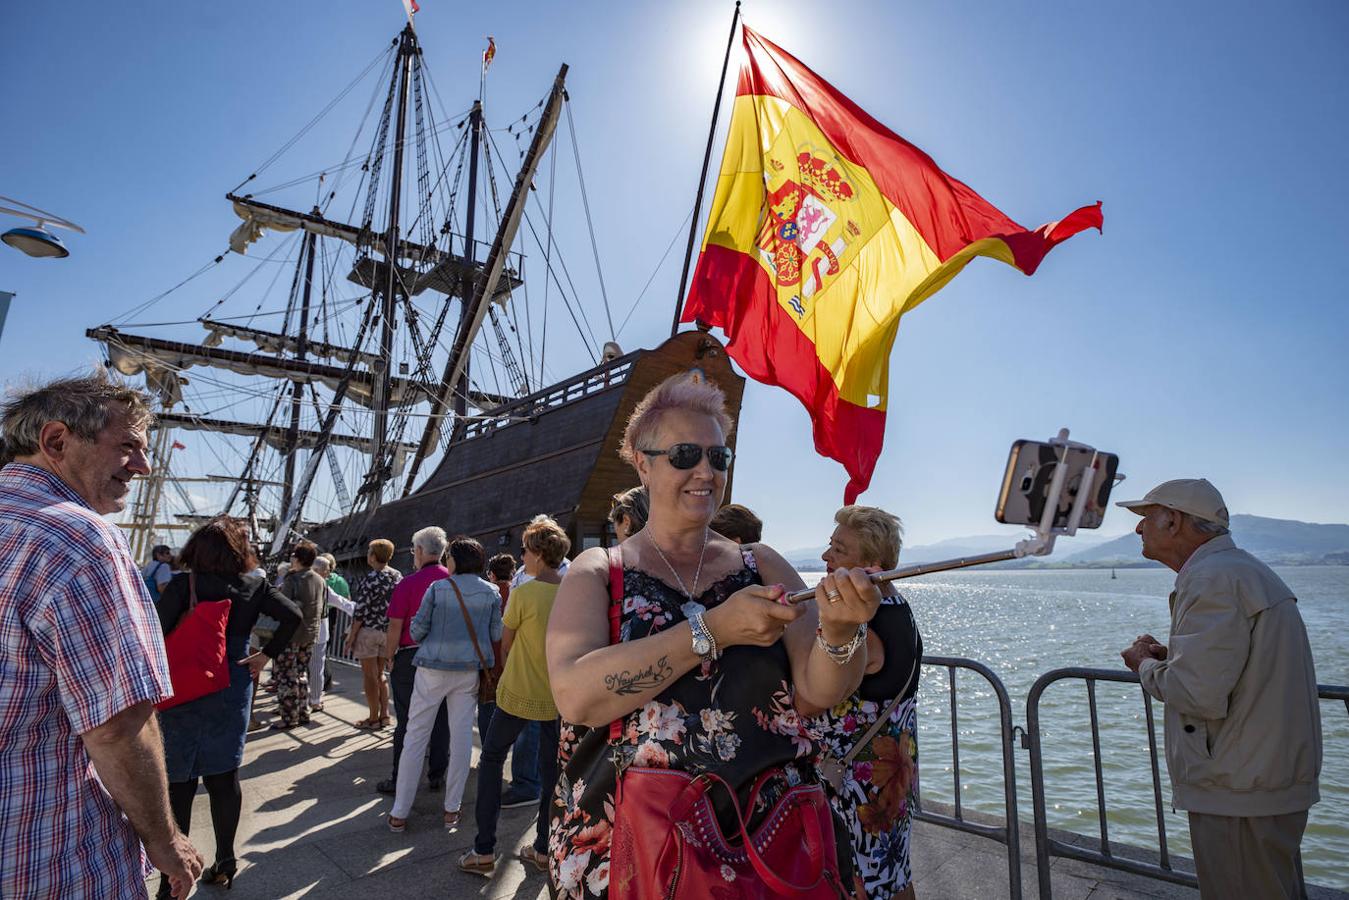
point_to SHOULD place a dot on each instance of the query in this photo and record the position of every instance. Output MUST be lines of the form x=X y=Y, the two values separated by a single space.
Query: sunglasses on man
x=686 y=456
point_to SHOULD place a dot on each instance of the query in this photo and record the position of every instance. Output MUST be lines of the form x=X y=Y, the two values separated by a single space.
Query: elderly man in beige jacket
x=1243 y=726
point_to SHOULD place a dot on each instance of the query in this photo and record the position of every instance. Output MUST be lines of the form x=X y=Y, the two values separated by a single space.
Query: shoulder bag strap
x=615 y=619
x=191 y=591
x=472 y=632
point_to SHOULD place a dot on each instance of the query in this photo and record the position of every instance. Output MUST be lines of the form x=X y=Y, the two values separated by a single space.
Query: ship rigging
x=406 y=346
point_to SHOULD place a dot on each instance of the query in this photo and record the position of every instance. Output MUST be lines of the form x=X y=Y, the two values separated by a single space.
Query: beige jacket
x=1243 y=723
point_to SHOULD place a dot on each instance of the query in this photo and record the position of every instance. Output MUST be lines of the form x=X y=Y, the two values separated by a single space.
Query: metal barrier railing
x=1009 y=833
x=337 y=636
x=1046 y=846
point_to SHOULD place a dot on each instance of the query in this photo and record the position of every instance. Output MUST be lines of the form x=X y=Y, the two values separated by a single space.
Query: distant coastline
x=1278 y=542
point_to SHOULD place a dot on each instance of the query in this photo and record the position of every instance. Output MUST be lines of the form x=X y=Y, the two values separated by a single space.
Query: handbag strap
x=615 y=619
x=814 y=836
x=191 y=591
x=472 y=632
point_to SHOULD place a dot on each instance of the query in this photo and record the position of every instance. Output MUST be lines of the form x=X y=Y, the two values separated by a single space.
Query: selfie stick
x=1041 y=543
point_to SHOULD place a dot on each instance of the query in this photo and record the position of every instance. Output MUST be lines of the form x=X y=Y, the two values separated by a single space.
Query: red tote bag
x=198 y=663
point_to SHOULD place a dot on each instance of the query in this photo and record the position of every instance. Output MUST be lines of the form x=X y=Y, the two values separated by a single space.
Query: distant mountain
x=1276 y=541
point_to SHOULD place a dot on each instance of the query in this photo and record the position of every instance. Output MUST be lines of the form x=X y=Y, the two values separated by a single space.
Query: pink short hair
x=689 y=391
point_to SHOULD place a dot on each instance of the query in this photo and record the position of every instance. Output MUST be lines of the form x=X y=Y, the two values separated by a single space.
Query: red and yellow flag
x=826 y=227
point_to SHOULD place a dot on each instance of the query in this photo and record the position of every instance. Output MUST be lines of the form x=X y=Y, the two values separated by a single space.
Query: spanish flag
x=826 y=227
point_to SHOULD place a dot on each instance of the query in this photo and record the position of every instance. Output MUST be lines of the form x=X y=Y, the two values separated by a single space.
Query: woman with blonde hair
x=369 y=630
x=710 y=673
x=870 y=739
x=524 y=695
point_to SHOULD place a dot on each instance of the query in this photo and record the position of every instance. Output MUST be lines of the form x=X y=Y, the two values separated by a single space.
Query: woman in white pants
x=459 y=630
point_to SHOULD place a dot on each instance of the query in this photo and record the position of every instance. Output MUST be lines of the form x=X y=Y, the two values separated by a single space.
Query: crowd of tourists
x=665 y=709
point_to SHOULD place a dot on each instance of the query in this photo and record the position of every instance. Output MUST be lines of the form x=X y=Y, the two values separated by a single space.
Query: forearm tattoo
x=652 y=676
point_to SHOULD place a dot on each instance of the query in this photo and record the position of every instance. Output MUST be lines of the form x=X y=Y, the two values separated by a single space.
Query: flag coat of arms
x=825 y=228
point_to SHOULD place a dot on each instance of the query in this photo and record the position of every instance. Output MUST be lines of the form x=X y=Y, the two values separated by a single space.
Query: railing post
x=1037 y=785
x=1010 y=833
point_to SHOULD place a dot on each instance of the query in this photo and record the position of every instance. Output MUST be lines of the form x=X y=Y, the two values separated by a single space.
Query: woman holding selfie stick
x=711 y=674
x=870 y=739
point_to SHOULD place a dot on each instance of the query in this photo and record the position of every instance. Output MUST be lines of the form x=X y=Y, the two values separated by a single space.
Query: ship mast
x=470 y=253
x=303 y=359
x=374 y=484
x=485 y=283
x=297 y=386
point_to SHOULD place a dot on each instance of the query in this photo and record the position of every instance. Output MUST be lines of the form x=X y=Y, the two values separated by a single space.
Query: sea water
x=1023 y=623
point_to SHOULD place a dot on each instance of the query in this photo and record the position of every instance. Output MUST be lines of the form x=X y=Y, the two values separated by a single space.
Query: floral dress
x=734 y=717
x=876 y=810
x=372 y=598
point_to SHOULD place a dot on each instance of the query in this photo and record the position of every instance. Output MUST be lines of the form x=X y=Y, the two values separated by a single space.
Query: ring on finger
x=832 y=594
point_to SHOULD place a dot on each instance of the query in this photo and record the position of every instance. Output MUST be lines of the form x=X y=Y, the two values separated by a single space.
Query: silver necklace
x=692 y=607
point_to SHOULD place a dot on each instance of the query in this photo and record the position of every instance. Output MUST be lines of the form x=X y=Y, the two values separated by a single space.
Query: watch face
x=702 y=646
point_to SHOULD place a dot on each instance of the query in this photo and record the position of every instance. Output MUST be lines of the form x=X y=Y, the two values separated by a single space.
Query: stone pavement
x=314 y=827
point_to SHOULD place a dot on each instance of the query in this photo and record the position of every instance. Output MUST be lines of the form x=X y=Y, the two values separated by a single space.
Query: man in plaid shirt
x=82 y=783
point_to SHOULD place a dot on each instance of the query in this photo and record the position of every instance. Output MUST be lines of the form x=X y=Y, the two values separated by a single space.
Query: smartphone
x=1030 y=471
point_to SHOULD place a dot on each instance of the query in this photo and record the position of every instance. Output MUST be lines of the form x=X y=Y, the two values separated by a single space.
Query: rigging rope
x=668 y=247
x=585 y=203
x=315 y=120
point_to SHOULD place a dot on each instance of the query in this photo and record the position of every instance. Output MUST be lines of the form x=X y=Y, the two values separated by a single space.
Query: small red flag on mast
x=412 y=9
x=489 y=54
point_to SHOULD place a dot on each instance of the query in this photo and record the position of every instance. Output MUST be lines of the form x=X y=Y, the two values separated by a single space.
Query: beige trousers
x=1254 y=856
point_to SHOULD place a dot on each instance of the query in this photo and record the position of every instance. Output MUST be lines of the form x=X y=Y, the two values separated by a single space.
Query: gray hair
x=85 y=405
x=1204 y=526
x=431 y=540
x=321 y=564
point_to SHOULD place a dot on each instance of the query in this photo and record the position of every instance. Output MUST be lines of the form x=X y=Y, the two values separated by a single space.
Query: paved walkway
x=313 y=826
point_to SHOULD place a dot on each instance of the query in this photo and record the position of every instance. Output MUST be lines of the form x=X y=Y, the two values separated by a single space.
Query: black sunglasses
x=686 y=456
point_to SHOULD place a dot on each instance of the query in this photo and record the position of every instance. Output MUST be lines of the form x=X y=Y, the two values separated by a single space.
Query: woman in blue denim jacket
x=447 y=670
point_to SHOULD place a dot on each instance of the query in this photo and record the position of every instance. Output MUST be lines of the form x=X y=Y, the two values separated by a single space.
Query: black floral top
x=872 y=802
x=734 y=717
x=372 y=598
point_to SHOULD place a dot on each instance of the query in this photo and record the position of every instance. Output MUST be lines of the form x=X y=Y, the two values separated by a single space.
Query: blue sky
x=1202 y=334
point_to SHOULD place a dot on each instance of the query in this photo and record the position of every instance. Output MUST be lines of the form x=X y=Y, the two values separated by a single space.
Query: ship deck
x=313 y=826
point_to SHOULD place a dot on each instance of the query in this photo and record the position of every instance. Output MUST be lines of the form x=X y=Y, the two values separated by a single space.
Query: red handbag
x=198 y=663
x=668 y=843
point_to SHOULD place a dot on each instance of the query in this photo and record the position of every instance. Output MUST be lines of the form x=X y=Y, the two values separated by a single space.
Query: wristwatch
x=703 y=643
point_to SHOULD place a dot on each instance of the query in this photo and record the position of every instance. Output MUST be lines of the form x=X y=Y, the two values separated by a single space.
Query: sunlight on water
x=1022 y=624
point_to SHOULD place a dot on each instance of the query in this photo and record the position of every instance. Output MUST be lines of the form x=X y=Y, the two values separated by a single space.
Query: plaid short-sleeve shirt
x=79 y=643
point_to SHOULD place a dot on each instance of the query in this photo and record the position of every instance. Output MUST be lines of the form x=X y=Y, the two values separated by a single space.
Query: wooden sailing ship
x=497 y=454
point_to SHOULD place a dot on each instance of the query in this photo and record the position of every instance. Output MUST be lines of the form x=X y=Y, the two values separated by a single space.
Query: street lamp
x=36 y=240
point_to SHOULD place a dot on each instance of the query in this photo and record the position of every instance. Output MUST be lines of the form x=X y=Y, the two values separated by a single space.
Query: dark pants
x=503 y=731
x=400 y=690
x=524 y=755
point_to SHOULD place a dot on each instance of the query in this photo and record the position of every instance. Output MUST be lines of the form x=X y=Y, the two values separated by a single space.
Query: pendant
x=691 y=608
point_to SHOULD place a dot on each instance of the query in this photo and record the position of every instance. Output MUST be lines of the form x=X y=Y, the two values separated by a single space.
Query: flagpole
x=702 y=179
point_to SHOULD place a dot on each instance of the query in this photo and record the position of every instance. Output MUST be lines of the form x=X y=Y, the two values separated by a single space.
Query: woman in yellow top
x=524 y=695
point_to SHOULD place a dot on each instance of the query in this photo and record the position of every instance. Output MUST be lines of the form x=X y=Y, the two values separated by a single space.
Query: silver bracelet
x=842 y=654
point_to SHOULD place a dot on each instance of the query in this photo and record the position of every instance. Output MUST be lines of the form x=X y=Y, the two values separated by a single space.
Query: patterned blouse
x=876 y=812
x=372 y=598
x=733 y=717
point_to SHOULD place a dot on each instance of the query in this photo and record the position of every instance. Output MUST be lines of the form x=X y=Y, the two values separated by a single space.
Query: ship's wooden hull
x=554 y=452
